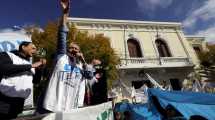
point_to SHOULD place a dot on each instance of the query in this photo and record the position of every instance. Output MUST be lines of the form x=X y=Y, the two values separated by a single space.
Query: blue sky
x=197 y=16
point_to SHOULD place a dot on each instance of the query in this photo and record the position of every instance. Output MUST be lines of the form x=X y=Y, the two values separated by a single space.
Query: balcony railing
x=155 y=62
x=138 y=60
x=167 y=60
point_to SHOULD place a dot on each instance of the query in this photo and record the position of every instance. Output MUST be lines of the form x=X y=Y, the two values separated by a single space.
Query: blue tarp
x=187 y=103
x=137 y=111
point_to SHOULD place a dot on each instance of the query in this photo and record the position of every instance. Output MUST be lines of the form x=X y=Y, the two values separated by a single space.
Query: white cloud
x=204 y=13
x=208 y=33
x=153 y=4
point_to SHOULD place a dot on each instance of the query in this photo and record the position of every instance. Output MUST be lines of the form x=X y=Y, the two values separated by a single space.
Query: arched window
x=162 y=48
x=197 y=49
x=134 y=48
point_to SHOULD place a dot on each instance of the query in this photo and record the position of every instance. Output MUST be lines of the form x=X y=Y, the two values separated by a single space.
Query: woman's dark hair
x=24 y=43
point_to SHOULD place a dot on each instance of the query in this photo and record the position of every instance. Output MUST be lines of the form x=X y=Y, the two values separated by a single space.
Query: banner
x=10 y=40
x=98 y=112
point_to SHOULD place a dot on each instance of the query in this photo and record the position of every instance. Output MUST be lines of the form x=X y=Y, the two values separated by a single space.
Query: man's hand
x=39 y=63
x=81 y=56
x=96 y=62
x=65 y=4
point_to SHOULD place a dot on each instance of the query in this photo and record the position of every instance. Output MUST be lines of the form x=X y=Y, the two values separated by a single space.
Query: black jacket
x=7 y=68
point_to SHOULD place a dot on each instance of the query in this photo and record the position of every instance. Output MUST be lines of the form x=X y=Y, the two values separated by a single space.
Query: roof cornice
x=123 y=22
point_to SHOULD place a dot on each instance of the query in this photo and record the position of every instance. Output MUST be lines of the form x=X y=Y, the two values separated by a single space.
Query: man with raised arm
x=66 y=82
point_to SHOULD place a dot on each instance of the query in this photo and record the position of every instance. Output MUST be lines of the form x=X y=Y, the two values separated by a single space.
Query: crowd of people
x=70 y=83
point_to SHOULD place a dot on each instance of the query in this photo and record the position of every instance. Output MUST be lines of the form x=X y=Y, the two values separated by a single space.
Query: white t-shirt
x=64 y=87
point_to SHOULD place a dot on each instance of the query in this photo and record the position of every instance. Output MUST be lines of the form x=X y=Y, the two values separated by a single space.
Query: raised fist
x=65 y=4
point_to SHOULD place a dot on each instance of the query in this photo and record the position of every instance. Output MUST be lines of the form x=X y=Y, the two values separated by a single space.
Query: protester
x=99 y=88
x=66 y=86
x=95 y=67
x=16 y=75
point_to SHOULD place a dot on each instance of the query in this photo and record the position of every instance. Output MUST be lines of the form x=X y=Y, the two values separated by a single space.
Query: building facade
x=158 y=48
x=198 y=44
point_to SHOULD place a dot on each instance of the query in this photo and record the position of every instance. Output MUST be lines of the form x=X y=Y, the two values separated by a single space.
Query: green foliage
x=207 y=58
x=96 y=46
x=92 y=46
x=46 y=40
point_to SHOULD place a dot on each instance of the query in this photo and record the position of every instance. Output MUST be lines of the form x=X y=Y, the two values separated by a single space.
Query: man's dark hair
x=24 y=43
